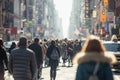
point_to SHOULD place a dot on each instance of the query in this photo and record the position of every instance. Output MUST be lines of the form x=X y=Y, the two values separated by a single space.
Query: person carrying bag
x=93 y=61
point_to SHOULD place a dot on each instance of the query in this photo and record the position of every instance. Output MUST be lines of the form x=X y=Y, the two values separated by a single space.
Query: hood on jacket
x=98 y=57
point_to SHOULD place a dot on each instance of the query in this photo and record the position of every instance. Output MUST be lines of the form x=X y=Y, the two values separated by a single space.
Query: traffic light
x=105 y=3
x=102 y=14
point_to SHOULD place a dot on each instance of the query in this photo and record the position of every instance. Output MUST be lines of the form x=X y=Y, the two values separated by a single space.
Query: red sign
x=12 y=30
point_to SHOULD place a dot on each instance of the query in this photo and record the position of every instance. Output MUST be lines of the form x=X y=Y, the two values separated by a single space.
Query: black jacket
x=38 y=52
x=22 y=63
x=49 y=50
x=3 y=57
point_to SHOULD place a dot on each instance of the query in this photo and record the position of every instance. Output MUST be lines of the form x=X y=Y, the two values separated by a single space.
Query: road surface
x=63 y=73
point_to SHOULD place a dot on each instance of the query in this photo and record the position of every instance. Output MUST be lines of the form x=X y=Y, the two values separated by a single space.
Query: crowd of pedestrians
x=27 y=58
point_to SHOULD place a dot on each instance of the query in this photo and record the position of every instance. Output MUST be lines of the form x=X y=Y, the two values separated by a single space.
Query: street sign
x=1 y=30
x=94 y=14
x=110 y=16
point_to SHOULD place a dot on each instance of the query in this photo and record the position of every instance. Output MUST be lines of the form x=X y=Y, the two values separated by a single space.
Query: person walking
x=3 y=58
x=70 y=53
x=22 y=62
x=64 y=53
x=53 y=54
x=35 y=46
x=13 y=45
x=92 y=54
x=77 y=46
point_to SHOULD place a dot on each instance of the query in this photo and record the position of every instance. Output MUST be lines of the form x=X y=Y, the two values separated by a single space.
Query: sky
x=64 y=10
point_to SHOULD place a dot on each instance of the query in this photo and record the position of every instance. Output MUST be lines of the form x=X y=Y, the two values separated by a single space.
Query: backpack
x=94 y=76
x=54 y=55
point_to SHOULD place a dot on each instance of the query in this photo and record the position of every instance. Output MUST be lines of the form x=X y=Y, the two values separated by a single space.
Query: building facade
x=76 y=19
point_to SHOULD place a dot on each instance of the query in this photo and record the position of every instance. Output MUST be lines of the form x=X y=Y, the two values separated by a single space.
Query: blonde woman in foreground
x=94 y=52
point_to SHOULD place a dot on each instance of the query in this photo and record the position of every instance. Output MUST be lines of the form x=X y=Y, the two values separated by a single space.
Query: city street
x=54 y=28
x=63 y=73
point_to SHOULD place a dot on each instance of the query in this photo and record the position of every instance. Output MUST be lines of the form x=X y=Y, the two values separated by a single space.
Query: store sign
x=94 y=14
x=110 y=16
x=12 y=30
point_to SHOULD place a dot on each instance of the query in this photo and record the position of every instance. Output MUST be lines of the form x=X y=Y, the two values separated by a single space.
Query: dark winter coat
x=77 y=47
x=22 y=63
x=3 y=58
x=49 y=51
x=12 y=47
x=38 y=52
x=70 y=50
x=87 y=63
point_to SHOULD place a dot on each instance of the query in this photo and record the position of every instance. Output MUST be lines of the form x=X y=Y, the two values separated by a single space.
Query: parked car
x=114 y=48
